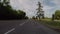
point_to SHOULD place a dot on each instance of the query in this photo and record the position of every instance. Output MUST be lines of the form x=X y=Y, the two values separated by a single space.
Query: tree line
x=56 y=16
x=7 y=12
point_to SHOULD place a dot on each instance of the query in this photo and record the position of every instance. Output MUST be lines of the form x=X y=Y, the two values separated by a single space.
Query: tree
x=5 y=8
x=40 y=12
x=26 y=17
x=57 y=14
x=53 y=17
x=33 y=17
x=21 y=14
x=6 y=11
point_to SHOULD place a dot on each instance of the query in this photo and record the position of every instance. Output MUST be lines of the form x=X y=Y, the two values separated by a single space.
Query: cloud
x=25 y=5
x=57 y=2
x=47 y=10
x=30 y=6
x=50 y=6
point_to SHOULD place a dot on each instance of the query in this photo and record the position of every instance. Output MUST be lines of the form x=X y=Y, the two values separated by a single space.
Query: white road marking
x=22 y=24
x=10 y=31
x=14 y=28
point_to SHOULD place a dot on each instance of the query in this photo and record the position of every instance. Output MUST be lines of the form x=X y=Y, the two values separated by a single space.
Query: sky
x=30 y=6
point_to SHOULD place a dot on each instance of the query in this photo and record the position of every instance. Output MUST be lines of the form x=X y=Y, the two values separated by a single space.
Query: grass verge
x=51 y=24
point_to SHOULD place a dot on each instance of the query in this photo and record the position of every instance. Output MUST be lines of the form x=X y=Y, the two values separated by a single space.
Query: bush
x=6 y=11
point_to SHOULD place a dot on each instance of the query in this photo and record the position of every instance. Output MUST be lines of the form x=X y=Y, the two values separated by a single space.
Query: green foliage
x=57 y=14
x=53 y=16
x=54 y=24
x=26 y=17
x=40 y=12
x=33 y=17
x=6 y=11
x=21 y=14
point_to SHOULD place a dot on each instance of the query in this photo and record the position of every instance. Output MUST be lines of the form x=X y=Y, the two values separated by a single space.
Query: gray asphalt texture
x=24 y=27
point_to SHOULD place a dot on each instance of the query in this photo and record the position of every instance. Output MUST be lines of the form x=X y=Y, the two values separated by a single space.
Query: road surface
x=24 y=27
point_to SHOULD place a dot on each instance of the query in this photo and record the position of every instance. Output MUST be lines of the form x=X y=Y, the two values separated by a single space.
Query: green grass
x=55 y=24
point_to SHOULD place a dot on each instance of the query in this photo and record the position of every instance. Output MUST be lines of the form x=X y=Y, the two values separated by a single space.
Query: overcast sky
x=30 y=6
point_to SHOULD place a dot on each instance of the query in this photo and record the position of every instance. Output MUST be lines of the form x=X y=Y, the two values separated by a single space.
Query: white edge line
x=9 y=31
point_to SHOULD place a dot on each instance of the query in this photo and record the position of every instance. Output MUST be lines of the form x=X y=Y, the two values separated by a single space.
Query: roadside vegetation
x=7 y=12
x=55 y=23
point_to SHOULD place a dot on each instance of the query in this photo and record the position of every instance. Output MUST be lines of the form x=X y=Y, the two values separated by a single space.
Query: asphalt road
x=24 y=27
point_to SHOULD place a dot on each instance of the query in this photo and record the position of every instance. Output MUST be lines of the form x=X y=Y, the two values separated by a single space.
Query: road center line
x=10 y=31
x=22 y=24
x=14 y=28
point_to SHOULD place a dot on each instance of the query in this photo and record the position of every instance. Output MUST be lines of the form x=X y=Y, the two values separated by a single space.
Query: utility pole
x=40 y=13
